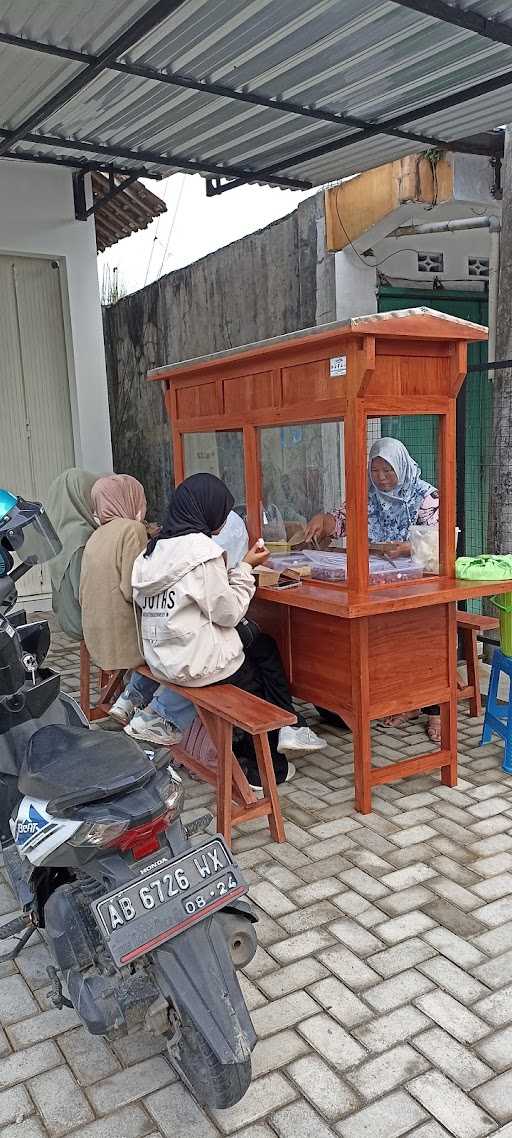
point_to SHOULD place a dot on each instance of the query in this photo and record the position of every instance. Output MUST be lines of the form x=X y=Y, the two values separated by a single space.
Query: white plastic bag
x=424 y=541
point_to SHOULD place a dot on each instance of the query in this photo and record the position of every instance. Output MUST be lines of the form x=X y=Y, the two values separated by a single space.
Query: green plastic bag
x=487 y=567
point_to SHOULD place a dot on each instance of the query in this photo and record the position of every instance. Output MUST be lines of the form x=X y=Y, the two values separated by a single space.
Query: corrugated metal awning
x=286 y=92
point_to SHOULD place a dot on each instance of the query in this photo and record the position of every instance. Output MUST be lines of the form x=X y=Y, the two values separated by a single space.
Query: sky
x=193 y=226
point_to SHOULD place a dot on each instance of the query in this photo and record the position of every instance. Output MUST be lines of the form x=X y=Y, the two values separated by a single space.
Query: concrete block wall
x=272 y=282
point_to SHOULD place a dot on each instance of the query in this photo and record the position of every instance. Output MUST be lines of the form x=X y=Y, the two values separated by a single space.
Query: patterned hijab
x=391 y=513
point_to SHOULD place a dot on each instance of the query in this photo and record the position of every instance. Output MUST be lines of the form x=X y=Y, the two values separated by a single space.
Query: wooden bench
x=469 y=624
x=221 y=708
x=111 y=685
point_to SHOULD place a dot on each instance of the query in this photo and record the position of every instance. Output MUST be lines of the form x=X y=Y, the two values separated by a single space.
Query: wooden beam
x=357 y=205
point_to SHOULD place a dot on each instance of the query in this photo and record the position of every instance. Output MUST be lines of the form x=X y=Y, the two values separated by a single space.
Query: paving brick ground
x=381 y=991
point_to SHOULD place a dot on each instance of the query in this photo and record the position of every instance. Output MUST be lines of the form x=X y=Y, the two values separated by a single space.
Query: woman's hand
x=320 y=527
x=257 y=555
x=392 y=548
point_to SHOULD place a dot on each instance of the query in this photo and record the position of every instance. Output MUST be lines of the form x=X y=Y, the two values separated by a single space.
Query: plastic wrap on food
x=328 y=565
x=401 y=569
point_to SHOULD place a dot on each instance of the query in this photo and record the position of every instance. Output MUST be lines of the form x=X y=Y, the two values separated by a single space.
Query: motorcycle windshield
x=31 y=534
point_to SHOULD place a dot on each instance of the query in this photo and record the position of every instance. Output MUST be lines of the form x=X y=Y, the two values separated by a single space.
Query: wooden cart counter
x=388 y=651
x=326 y=597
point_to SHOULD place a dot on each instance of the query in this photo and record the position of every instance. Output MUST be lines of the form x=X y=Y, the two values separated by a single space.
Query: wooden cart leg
x=449 y=742
x=270 y=791
x=470 y=647
x=85 y=680
x=449 y=709
x=362 y=765
x=361 y=730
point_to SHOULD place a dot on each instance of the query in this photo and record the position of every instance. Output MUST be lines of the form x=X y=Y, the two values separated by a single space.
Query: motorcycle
x=145 y=927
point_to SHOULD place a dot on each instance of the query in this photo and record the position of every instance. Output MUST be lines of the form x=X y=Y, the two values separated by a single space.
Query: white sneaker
x=289 y=775
x=153 y=729
x=295 y=739
x=122 y=710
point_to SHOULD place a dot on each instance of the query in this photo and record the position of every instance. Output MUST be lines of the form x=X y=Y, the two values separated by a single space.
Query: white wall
x=356 y=286
x=356 y=277
x=37 y=217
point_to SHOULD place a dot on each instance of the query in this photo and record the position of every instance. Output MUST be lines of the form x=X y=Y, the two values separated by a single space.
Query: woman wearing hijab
x=398 y=498
x=109 y=622
x=71 y=514
x=191 y=605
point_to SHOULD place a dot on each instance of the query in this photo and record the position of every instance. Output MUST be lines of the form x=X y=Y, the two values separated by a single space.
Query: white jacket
x=190 y=607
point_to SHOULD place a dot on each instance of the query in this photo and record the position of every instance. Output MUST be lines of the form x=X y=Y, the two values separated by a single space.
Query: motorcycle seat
x=71 y=766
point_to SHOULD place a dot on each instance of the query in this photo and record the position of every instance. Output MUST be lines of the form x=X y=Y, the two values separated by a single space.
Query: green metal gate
x=474 y=415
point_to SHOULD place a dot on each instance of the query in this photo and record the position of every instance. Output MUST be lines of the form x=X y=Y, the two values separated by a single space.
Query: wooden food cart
x=359 y=649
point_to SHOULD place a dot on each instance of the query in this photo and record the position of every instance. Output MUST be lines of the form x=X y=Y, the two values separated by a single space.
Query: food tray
x=331 y=566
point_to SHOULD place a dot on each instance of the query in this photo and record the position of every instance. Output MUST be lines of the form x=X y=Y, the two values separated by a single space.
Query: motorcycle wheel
x=212 y=1083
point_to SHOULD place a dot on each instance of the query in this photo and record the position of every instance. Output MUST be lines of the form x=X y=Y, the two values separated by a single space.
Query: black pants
x=433 y=710
x=262 y=674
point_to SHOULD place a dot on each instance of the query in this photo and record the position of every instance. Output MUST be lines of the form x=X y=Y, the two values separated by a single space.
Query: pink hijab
x=118 y=496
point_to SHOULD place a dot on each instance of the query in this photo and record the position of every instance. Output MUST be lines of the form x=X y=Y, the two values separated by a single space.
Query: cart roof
x=415 y=323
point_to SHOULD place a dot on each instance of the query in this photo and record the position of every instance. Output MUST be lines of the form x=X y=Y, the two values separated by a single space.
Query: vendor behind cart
x=398 y=498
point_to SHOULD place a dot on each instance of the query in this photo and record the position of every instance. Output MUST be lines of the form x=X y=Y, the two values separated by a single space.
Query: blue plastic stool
x=498 y=720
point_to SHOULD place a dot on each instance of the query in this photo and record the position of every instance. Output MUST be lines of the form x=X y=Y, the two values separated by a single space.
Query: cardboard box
x=277 y=579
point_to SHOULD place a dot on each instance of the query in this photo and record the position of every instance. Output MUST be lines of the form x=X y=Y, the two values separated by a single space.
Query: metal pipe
x=452 y=226
x=494 y=273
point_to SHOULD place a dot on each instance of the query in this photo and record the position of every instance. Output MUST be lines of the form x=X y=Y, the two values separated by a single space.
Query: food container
x=329 y=565
x=278 y=546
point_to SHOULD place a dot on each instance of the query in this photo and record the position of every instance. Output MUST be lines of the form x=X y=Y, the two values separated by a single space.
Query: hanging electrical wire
x=364 y=261
x=154 y=242
x=171 y=227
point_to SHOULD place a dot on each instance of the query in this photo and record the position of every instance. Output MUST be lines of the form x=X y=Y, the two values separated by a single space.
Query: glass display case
x=290 y=423
x=220 y=453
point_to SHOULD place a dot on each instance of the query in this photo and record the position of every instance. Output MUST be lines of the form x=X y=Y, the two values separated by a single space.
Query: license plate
x=166 y=897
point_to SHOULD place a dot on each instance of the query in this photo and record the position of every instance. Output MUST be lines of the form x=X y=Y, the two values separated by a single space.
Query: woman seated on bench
x=149 y=711
x=71 y=513
x=191 y=606
x=109 y=625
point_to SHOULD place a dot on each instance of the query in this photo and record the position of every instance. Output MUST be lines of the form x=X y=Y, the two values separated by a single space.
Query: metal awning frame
x=223 y=177
x=82 y=211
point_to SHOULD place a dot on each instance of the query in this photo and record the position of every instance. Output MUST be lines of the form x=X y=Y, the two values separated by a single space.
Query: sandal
x=398 y=720
x=434 y=728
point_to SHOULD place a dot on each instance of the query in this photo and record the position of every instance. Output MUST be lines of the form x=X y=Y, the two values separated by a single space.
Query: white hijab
x=233 y=539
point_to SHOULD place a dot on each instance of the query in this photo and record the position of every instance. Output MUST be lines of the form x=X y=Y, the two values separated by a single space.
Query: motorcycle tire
x=212 y=1083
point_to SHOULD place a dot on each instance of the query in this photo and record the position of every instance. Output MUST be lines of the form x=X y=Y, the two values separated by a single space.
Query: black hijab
x=200 y=504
